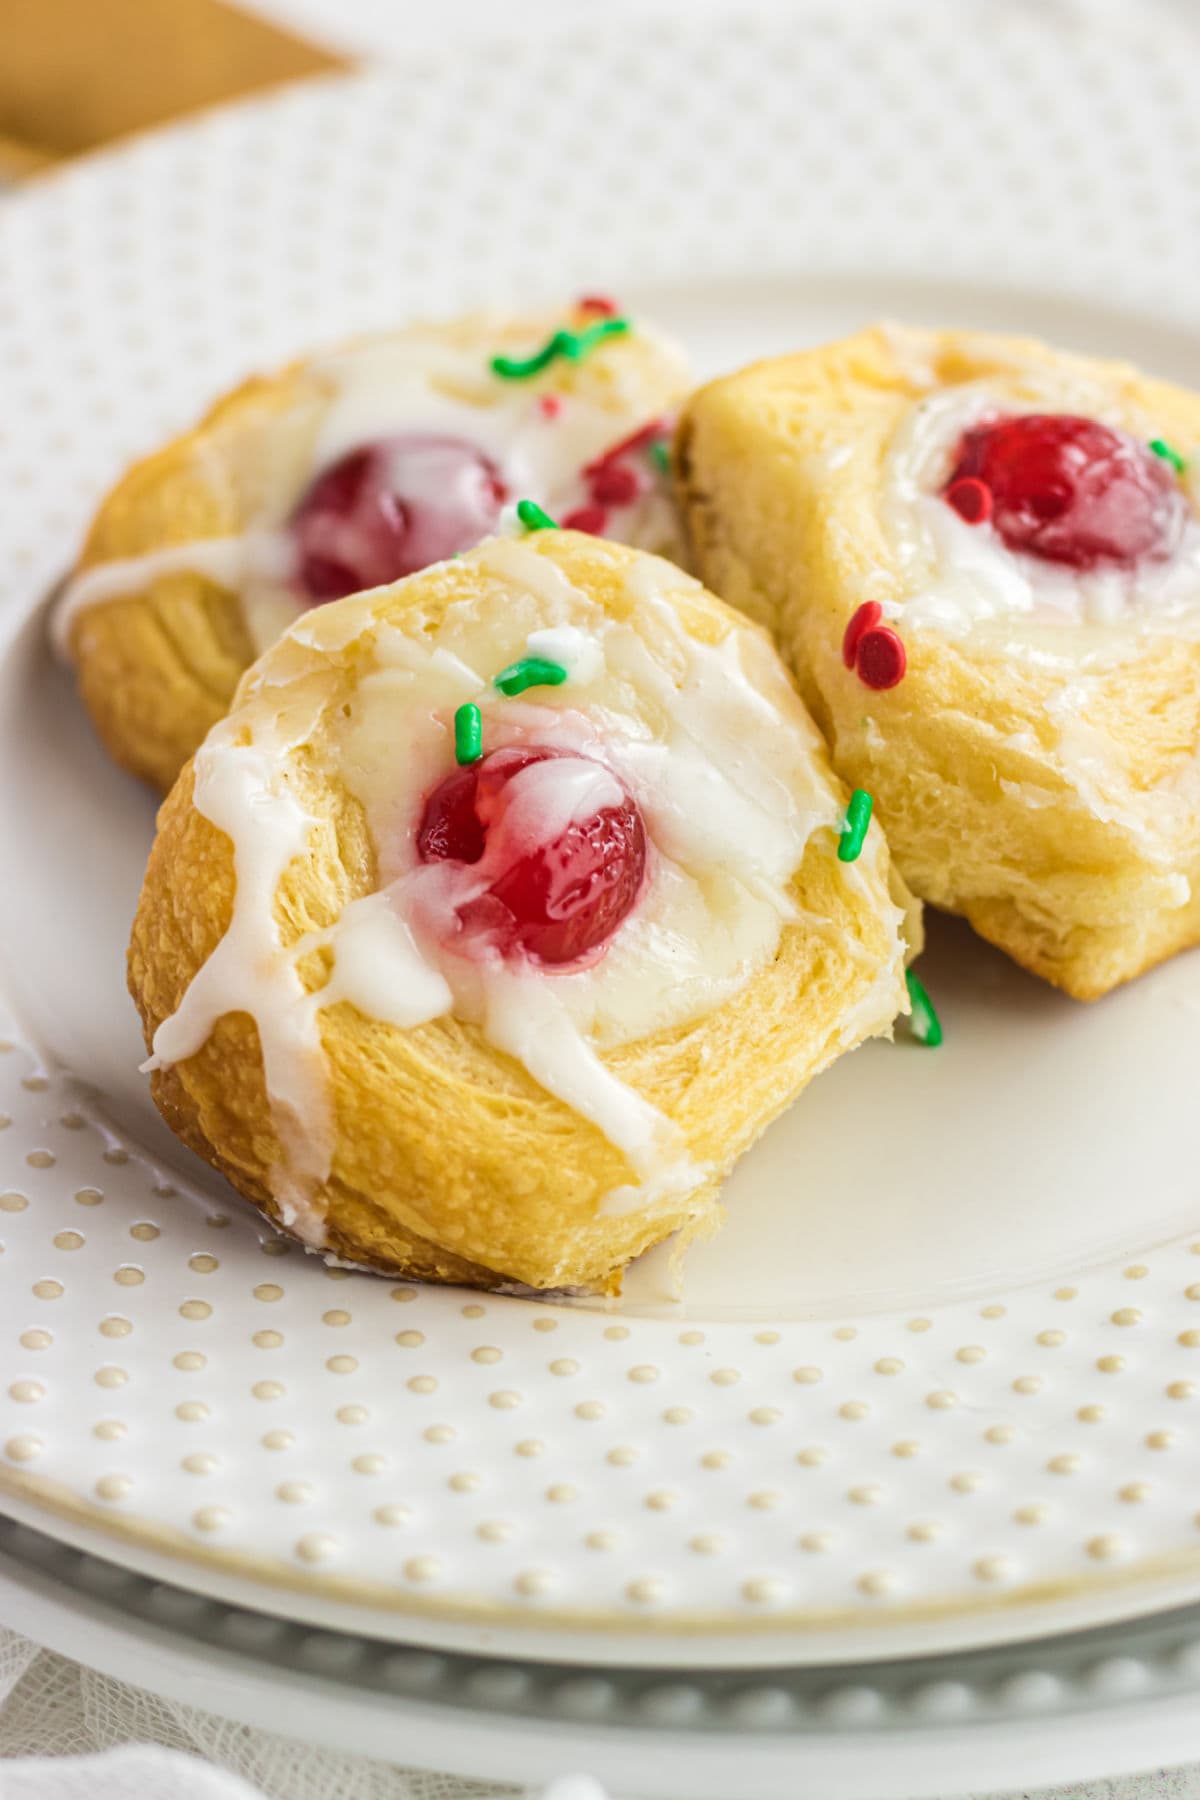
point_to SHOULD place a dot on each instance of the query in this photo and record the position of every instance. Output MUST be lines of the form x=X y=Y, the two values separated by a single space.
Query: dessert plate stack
x=933 y=1389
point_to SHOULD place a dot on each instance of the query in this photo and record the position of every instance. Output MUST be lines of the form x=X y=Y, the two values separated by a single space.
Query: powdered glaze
x=413 y=382
x=242 y=788
x=708 y=738
x=379 y=966
x=255 y=563
x=571 y=648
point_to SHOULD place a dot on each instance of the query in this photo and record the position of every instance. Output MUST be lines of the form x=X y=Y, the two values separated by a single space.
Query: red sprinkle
x=615 y=484
x=550 y=405
x=645 y=434
x=592 y=519
x=868 y=614
x=598 y=303
x=971 y=499
x=881 y=658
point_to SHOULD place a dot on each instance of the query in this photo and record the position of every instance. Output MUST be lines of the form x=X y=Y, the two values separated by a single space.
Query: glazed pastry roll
x=347 y=471
x=504 y=911
x=982 y=558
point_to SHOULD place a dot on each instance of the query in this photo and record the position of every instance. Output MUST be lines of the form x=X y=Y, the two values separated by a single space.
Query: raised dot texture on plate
x=672 y=1429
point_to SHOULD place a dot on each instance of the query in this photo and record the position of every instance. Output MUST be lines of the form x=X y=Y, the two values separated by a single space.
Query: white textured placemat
x=140 y=1747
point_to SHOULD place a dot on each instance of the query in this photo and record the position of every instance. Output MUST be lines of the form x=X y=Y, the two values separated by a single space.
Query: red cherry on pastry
x=558 y=898
x=392 y=508
x=1070 y=490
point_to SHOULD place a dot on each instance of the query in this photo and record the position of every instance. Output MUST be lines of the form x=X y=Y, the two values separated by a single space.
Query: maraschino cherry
x=557 y=900
x=1066 y=489
x=391 y=508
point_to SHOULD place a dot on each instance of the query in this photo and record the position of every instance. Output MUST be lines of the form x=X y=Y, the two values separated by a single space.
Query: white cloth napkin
x=68 y=1733
x=141 y=1773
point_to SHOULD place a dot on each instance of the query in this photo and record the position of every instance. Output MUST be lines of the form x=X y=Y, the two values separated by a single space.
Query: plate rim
x=870 y=1740
x=677 y=1640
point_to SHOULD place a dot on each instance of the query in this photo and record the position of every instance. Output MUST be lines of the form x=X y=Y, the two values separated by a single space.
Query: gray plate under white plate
x=1120 y=1698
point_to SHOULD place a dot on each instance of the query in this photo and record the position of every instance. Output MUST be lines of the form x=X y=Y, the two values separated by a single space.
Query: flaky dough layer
x=158 y=666
x=451 y=1163
x=1084 y=876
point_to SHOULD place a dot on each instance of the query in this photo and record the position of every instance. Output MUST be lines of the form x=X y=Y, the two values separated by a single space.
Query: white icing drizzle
x=525 y=1018
x=571 y=648
x=242 y=788
x=548 y=797
x=238 y=563
x=379 y=967
x=709 y=738
x=414 y=381
x=513 y=560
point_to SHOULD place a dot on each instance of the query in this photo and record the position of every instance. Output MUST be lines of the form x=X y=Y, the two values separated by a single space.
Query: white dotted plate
x=936 y=1381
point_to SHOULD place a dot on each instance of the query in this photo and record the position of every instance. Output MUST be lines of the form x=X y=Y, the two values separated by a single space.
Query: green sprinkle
x=468 y=734
x=574 y=345
x=533 y=518
x=925 y=1025
x=1161 y=448
x=580 y=343
x=660 y=456
x=854 y=831
x=530 y=671
x=514 y=368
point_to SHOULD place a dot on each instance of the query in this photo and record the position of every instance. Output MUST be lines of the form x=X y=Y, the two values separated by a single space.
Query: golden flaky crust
x=451 y=1162
x=156 y=668
x=985 y=814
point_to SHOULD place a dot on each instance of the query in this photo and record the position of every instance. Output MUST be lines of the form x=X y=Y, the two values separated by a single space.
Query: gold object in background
x=76 y=73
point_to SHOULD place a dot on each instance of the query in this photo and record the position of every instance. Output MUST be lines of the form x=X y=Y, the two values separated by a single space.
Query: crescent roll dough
x=344 y=1028
x=1036 y=766
x=191 y=567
